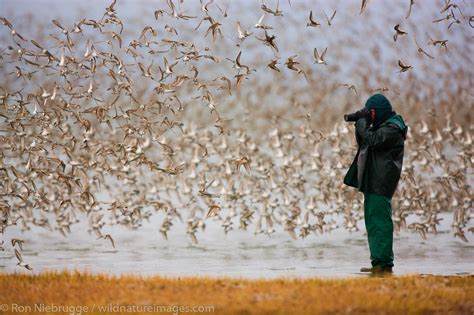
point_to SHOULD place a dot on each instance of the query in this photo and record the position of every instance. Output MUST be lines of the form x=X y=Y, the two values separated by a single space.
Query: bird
x=19 y=242
x=238 y=65
x=329 y=20
x=245 y=161
x=272 y=65
x=349 y=86
x=214 y=29
x=460 y=234
x=275 y=12
x=214 y=209
x=442 y=43
x=450 y=6
x=14 y=33
x=242 y=34
x=420 y=50
x=403 y=67
x=455 y=20
x=312 y=22
x=385 y=89
x=224 y=12
x=103 y=124
x=319 y=59
x=291 y=64
x=398 y=32
x=204 y=6
x=412 y=2
x=269 y=40
x=21 y=263
x=108 y=237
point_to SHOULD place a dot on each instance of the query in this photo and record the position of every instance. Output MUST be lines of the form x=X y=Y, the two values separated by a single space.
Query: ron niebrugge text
x=108 y=308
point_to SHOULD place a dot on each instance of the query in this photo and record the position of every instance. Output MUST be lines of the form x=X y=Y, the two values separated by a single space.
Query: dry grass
x=389 y=295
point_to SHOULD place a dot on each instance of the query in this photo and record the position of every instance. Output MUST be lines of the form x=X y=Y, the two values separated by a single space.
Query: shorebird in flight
x=21 y=262
x=398 y=32
x=319 y=59
x=312 y=22
x=403 y=67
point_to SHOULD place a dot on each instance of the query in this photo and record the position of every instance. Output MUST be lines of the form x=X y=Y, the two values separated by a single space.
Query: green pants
x=379 y=225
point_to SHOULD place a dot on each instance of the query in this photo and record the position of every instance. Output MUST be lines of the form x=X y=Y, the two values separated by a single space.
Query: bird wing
x=316 y=54
x=237 y=60
x=324 y=53
x=424 y=52
x=306 y=217
x=18 y=256
x=239 y=30
x=108 y=236
x=409 y=9
x=193 y=238
x=58 y=24
x=363 y=6
x=327 y=18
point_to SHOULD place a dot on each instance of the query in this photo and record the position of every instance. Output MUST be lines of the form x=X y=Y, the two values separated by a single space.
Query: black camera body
x=362 y=113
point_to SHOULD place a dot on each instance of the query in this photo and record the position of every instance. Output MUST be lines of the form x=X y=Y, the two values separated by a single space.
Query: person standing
x=375 y=171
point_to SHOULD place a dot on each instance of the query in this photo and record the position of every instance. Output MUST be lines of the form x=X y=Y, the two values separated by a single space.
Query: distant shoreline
x=101 y=293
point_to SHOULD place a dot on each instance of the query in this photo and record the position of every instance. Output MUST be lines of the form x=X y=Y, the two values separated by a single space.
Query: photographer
x=375 y=171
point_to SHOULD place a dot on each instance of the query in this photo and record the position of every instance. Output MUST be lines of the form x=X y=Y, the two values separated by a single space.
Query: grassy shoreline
x=387 y=295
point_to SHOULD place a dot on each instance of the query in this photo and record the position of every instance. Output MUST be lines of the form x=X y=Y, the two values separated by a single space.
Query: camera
x=351 y=117
x=364 y=112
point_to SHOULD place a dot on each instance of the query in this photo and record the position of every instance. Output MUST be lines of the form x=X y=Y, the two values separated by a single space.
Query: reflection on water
x=237 y=254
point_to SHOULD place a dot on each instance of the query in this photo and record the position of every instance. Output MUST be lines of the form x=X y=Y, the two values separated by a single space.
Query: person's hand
x=363 y=119
x=364 y=113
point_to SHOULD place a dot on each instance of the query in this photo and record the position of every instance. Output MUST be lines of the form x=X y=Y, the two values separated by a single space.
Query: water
x=238 y=254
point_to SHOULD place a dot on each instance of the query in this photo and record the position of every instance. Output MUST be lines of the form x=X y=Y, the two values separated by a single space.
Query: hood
x=398 y=120
x=378 y=101
x=383 y=108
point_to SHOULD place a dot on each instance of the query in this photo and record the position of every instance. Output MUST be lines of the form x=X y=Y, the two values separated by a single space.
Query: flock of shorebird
x=77 y=140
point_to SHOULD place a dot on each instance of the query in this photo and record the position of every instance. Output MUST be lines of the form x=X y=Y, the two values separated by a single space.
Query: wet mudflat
x=238 y=254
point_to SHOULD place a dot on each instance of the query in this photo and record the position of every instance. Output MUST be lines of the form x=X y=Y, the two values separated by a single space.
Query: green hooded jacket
x=378 y=163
